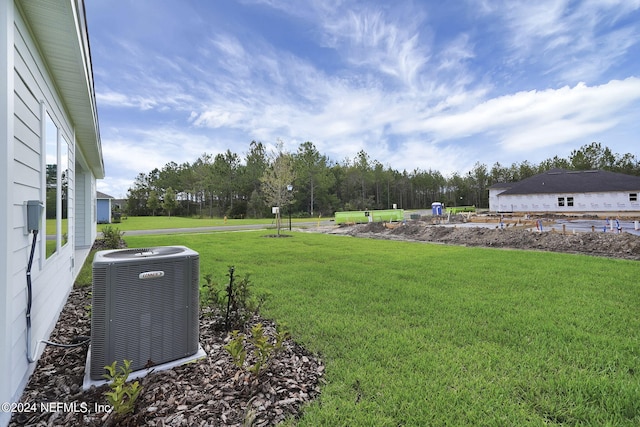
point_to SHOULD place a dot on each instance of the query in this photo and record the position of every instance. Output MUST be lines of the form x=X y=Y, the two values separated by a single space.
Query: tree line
x=308 y=183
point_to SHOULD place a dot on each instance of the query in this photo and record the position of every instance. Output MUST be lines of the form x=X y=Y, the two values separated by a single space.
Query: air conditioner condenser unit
x=145 y=307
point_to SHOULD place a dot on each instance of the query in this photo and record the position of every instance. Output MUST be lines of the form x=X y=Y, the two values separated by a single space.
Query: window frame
x=55 y=148
x=51 y=178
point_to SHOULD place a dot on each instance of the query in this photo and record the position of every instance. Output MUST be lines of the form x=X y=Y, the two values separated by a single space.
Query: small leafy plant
x=263 y=349
x=236 y=349
x=122 y=396
x=282 y=334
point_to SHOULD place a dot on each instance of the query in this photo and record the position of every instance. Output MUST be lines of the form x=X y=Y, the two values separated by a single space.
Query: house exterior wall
x=6 y=213
x=81 y=229
x=84 y=204
x=582 y=202
x=28 y=93
x=92 y=218
x=493 y=199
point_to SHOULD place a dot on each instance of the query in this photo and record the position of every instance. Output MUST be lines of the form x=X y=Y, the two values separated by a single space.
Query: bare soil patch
x=613 y=245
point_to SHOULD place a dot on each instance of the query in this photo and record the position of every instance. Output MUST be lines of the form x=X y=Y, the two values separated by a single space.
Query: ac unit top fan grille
x=143 y=252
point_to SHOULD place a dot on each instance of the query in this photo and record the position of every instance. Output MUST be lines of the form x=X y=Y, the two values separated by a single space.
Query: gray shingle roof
x=100 y=195
x=569 y=181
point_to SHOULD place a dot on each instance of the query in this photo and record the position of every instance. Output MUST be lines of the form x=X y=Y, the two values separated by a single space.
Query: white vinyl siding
x=80 y=208
x=51 y=278
x=7 y=219
x=53 y=41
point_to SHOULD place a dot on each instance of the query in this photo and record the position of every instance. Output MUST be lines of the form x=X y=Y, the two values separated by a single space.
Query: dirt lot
x=624 y=245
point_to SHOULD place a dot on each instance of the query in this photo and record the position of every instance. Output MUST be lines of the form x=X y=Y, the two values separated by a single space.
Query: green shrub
x=234 y=304
x=210 y=295
x=112 y=237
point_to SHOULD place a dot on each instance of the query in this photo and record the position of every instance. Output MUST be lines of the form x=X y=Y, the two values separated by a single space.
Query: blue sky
x=416 y=84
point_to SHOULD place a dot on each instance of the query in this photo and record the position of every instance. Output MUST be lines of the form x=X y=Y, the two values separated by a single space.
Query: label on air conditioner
x=151 y=274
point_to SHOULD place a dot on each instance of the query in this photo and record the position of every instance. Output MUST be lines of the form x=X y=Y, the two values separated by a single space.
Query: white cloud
x=575 y=40
x=424 y=155
x=455 y=53
x=529 y=120
x=116 y=99
x=545 y=134
x=135 y=150
x=132 y=156
x=367 y=38
x=116 y=186
x=228 y=45
x=217 y=117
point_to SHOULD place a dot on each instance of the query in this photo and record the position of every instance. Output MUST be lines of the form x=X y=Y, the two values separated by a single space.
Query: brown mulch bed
x=209 y=392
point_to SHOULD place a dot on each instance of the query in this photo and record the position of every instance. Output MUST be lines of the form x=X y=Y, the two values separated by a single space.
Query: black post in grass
x=229 y=297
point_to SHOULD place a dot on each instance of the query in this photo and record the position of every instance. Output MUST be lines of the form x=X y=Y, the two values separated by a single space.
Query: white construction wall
x=613 y=202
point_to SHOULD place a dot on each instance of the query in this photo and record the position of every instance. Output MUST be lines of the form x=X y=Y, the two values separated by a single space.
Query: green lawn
x=164 y=222
x=51 y=226
x=51 y=231
x=421 y=334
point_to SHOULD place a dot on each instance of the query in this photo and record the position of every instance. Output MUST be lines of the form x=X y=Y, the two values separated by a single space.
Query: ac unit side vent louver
x=144 y=307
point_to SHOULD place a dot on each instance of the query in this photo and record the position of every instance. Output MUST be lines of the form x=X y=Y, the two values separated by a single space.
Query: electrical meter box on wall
x=34 y=214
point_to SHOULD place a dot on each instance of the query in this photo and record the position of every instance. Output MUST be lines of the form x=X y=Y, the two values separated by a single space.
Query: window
x=633 y=197
x=569 y=201
x=51 y=180
x=57 y=160
x=560 y=201
x=65 y=167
